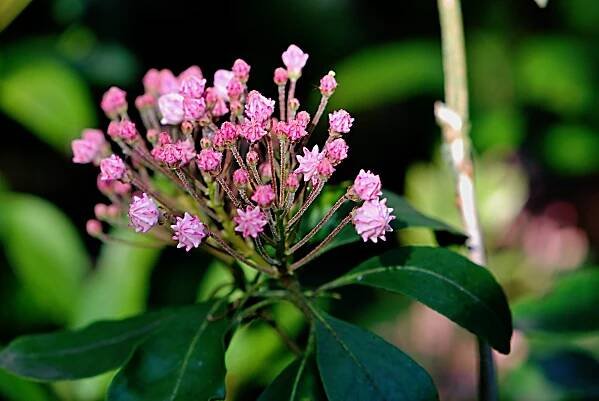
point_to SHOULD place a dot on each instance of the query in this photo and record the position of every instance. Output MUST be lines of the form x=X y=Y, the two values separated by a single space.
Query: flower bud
x=93 y=228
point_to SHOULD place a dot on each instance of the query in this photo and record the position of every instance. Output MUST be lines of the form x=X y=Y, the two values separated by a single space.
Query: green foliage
x=297 y=382
x=45 y=251
x=357 y=365
x=87 y=352
x=17 y=389
x=572 y=149
x=380 y=75
x=569 y=308
x=48 y=98
x=446 y=282
x=182 y=361
x=573 y=371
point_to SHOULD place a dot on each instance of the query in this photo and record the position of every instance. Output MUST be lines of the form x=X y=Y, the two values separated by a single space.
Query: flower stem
x=313 y=195
x=456 y=136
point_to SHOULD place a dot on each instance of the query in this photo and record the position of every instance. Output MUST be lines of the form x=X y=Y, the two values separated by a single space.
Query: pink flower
x=93 y=227
x=193 y=109
x=143 y=213
x=241 y=70
x=189 y=231
x=251 y=222
x=128 y=130
x=241 y=178
x=258 y=107
x=151 y=81
x=171 y=108
x=308 y=163
x=367 y=185
x=112 y=168
x=234 y=88
x=265 y=171
x=328 y=84
x=253 y=130
x=263 y=195
x=336 y=150
x=340 y=121
x=209 y=160
x=280 y=76
x=89 y=147
x=372 y=220
x=114 y=129
x=303 y=117
x=114 y=101
x=220 y=108
x=325 y=168
x=168 y=82
x=252 y=157
x=192 y=86
x=228 y=133
x=145 y=100
x=294 y=59
x=186 y=151
x=221 y=80
x=167 y=154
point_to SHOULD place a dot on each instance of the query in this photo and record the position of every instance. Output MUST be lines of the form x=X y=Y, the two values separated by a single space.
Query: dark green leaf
x=182 y=361
x=356 y=365
x=446 y=282
x=297 y=382
x=67 y=355
x=570 y=308
x=573 y=371
x=14 y=388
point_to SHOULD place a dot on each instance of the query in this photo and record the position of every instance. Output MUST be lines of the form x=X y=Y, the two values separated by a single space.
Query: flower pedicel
x=219 y=166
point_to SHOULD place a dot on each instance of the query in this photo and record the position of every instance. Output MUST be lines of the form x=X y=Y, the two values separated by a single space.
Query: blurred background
x=534 y=93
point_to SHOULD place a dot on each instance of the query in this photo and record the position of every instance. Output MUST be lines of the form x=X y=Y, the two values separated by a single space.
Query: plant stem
x=456 y=136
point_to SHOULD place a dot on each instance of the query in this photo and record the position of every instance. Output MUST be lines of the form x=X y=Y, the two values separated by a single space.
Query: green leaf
x=118 y=286
x=49 y=99
x=572 y=149
x=297 y=382
x=45 y=251
x=68 y=355
x=183 y=361
x=356 y=365
x=444 y=281
x=569 y=308
x=392 y=72
x=16 y=389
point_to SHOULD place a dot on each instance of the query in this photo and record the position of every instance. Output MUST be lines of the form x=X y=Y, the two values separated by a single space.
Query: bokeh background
x=535 y=128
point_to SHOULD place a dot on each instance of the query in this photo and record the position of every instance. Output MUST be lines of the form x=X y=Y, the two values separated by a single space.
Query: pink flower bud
x=187 y=128
x=209 y=160
x=292 y=182
x=114 y=102
x=340 y=121
x=143 y=213
x=372 y=220
x=114 y=129
x=89 y=148
x=168 y=82
x=220 y=108
x=121 y=188
x=265 y=171
x=93 y=228
x=325 y=168
x=192 y=86
x=263 y=196
x=193 y=71
x=221 y=80
x=171 y=108
x=100 y=211
x=145 y=101
x=151 y=81
x=308 y=163
x=113 y=211
x=152 y=135
x=128 y=131
x=296 y=129
x=294 y=59
x=259 y=108
x=336 y=150
x=241 y=178
x=193 y=109
x=164 y=138
x=303 y=117
x=252 y=158
x=234 y=88
x=112 y=168
x=328 y=84
x=280 y=76
x=367 y=185
x=252 y=130
x=241 y=70
x=251 y=222
x=294 y=104
x=189 y=232
x=228 y=132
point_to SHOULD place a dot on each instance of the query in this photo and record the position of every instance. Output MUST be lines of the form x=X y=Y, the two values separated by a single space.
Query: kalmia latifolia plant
x=231 y=172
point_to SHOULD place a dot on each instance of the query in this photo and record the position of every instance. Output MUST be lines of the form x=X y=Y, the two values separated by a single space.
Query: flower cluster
x=226 y=166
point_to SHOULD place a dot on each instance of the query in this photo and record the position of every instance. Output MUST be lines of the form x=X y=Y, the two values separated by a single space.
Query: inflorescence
x=218 y=167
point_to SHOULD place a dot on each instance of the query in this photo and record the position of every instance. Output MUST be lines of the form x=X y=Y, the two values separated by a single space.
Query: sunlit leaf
x=356 y=365
x=45 y=252
x=49 y=99
x=444 y=281
x=569 y=308
x=13 y=388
